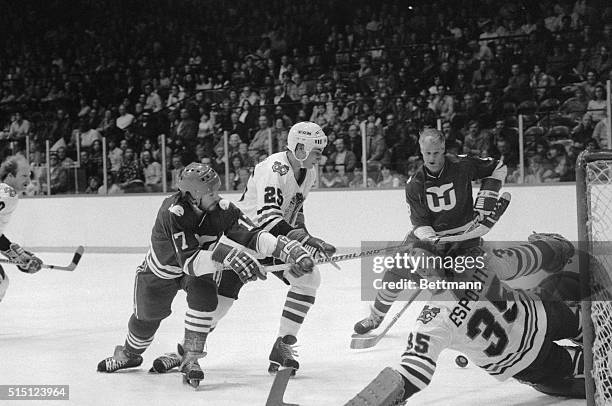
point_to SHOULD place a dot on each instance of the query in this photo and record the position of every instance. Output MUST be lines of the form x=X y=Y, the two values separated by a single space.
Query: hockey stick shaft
x=480 y=230
x=362 y=342
x=70 y=267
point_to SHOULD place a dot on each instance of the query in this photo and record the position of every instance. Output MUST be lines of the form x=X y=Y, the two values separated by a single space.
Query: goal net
x=594 y=204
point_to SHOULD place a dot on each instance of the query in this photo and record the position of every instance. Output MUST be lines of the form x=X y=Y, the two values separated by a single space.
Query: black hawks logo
x=428 y=314
x=280 y=168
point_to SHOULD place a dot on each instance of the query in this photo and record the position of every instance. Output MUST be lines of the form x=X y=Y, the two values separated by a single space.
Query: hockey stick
x=275 y=398
x=477 y=230
x=70 y=267
x=360 y=341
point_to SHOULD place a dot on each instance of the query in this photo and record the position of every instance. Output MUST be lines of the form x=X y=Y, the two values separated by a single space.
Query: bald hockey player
x=15 y=177
x=440 y=199
x=186 y=253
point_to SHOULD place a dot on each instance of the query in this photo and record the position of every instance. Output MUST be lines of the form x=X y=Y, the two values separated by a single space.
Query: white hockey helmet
x=309 y=134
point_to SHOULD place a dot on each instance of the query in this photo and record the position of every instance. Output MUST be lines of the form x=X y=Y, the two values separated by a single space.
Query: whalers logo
x=428 y=314
x=440 y=198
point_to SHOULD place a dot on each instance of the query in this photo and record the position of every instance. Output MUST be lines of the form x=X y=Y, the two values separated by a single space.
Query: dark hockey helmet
x=198 y=179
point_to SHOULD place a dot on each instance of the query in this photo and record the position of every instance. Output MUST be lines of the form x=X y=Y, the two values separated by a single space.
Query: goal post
x=594 y=205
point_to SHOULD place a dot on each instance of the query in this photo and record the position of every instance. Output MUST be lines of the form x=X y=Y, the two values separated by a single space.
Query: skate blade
x=194 y=383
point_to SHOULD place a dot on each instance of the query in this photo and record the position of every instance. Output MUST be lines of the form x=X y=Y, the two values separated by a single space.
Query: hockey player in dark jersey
x=185 y=253
x=441 y=204
x=507 y=332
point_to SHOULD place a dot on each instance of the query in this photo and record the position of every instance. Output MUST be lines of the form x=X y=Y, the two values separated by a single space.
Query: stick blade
x=362 y=341
x=275 y=398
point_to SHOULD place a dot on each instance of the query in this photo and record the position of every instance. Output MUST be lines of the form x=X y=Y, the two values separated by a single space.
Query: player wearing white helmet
x=273 y=200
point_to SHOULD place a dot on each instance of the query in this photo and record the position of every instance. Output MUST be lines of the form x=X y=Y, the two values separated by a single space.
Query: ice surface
x=56 y=326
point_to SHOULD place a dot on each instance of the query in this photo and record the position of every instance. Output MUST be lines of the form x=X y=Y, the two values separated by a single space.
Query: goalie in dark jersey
x=185 y=253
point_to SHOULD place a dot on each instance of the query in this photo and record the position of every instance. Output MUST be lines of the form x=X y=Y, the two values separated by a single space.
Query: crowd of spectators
x=196 y=70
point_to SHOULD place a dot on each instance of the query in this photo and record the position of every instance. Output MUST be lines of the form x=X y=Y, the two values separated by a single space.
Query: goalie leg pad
x=556 y=250
x=387 y=389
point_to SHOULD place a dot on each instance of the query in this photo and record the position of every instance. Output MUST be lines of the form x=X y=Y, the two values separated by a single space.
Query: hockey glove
x=292 y=252
x=318 y=248
x=245 y=265
x=25 y=260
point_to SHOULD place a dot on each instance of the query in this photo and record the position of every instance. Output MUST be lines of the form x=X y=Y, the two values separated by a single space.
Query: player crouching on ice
x=507 y=332
x=185 y=253
x=15 y=177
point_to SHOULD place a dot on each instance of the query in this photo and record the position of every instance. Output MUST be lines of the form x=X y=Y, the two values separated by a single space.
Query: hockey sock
x=198 y=322
x=140 y=334
x=297 y=304
x=223 y=306
x=528 y=258
x=386 y=297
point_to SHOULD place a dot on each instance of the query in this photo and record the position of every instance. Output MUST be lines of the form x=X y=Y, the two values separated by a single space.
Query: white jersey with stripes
x=500 y=329
x=273 y=192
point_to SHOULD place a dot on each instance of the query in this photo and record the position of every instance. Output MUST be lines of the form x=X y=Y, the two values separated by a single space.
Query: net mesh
x=599 y=226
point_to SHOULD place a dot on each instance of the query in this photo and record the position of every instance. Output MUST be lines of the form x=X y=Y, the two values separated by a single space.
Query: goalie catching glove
x=292 y=252
x=318 y=248
x=25 y=260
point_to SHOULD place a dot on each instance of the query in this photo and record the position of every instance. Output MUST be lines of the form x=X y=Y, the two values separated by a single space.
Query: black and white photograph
x=306 y=203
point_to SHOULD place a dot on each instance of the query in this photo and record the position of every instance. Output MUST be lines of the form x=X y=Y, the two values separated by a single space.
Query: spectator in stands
x=152 y=102
x=443 y=104
x=575 y=107
x=58 y=176
x=388 y=179
x=596 y=107
x=129 y=177
x=557 y=158
x=187 y=130
x=343 y=160
x=353 y=142
x=93 y=185
x=262 y=137
x=330 y=177
x=377 y=146
x=600 y=132
x=19 y=128
x=63 y=159
x=357 y=178
x=88 y=135
x=152 y=172
x=476 y=141
x=484 y=78
x=517 y=88
x=86 y=170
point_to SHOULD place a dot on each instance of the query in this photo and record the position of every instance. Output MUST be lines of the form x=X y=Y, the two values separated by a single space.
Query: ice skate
x=168 y=361
x=192 y=372
x=368 y=324
x=121 y=359
x=283 y=354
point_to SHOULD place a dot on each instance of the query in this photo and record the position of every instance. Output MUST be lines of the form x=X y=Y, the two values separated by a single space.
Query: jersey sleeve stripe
x=422 y=357
x=273 y=214
x=416 y=378
x=422 y=367
x=269 y=207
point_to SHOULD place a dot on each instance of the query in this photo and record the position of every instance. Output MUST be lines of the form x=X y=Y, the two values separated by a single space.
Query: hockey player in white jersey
x=273 y=199
x=15 y=177
x=507 y=332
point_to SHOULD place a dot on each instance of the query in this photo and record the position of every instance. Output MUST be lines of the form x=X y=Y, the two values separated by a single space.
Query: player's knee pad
x=143 y=328
x=4 y=283
x=202 y=294
x=308 y=283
